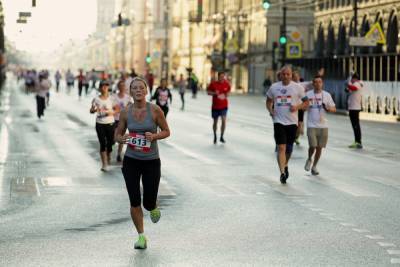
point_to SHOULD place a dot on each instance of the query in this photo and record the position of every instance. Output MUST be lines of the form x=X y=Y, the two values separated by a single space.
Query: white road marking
x=385 y=244
x=383 y=180
x=360 y=230
x=326 y=214
x=393 y=252
x=192 y=154
x=375 y=237
x=260 y=193
x=316 y=209
x=395 y=261
x=203 y=116
x=348 y=224
x=3 y=144
x=346 y=188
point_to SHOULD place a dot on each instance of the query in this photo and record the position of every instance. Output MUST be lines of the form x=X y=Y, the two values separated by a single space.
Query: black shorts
x=284 y=134
x=301 y=115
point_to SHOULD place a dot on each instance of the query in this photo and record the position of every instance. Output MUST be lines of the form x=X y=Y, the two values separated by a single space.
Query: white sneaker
x=308 y=165
x=314 y=171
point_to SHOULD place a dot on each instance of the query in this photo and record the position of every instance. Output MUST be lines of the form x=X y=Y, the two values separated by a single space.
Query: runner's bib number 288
x=139 y=142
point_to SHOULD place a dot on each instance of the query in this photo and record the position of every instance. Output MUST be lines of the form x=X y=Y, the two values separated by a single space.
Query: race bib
x=284 y=100
x=139 y=142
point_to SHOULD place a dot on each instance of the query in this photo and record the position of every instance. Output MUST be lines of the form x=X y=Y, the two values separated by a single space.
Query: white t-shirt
x=316 y=114
x=102 y=107
x=284 y=97
x=121 y=102
x=43 y=88
x=354 y=100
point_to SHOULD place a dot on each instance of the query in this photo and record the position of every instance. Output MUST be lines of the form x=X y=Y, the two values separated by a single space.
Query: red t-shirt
x=220 y=100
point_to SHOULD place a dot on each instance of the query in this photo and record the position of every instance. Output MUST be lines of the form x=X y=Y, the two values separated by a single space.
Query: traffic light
x=148 y=59
x=266 y=4
x=282 y=39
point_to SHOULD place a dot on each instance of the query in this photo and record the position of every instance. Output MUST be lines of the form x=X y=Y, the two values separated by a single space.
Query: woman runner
x=142 y=160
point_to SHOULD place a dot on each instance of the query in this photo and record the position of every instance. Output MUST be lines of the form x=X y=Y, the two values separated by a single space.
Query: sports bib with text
x=139 y=142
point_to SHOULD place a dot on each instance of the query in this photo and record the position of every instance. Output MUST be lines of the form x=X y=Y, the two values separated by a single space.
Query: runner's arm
x=269 y=105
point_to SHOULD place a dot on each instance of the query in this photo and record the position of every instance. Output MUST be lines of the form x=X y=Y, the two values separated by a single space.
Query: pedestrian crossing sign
x=376 y=33
x=293 y=50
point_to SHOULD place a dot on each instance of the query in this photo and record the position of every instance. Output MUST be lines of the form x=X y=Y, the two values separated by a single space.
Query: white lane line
x=360 y=230
x=383 y=180
x=326 y=214
x=316 y=209
x=395 y=261
x=192 y=154
x=393 y=252
x=374 y=237
x=348 y=224
x=260 y=193
x=203 y=116
x=3 y=144
x=343 y=150
x=385 y=244
x=340 y=186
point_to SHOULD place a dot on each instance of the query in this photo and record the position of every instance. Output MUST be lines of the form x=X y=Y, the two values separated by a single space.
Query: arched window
x=341 y=40
x=330 y=40
x=320 y=43
x=392 y=34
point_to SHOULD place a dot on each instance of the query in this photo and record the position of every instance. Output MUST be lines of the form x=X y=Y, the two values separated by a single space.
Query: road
x=221 y=204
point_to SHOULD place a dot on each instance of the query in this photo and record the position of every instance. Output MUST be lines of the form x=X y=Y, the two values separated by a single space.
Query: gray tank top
x=148 y=125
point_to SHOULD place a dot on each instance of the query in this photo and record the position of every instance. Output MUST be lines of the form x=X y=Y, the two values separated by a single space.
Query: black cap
x=104 y=83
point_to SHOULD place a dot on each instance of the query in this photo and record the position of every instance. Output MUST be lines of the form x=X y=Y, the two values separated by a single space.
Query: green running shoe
x=355 y=145
x=155 y=215
x=141 y=243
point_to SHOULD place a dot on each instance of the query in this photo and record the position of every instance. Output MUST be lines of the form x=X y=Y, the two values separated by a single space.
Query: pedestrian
x=102 y=105
x=93 y=78
x=81 y=80
x=320 y=103
x=284 y=99
x=70 y=79
x=121 y=100
x=219 y=90
x=142 y=160
x=86 y=82
x=57 y=78
x=161 y=95
x=354 y=88
x=193 y=83
x=181 y=84
x=150 y=81
x=42 y=89
x=267 y=84
x=300 y=126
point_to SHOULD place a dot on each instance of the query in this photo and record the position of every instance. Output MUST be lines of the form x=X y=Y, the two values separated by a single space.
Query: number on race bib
x=139 y=142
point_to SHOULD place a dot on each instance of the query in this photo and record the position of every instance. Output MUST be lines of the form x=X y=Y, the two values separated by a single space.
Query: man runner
x=220 y=90
x=284 y=99
x=321 y=102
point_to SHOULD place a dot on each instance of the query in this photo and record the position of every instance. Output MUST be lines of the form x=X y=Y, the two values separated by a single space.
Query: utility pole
x=284 y=34
x=165 y=57
x=224 y=35
x=355 y=31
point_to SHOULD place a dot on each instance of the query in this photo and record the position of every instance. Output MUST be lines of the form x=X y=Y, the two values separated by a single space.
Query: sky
x=53 y=22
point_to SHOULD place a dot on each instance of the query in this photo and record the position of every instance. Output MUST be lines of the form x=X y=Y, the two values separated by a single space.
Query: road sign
x=362 y=41
x=232 y=45
x=376 y=33
x=293 y=50
x=25 y=14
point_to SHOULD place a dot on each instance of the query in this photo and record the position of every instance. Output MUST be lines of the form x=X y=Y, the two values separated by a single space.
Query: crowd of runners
x=125 y=115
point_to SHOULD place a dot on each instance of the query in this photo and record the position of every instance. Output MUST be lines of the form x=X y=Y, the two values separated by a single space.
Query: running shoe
x=215 y=139
x=104 y=169
x=119 y=158
x=283 y=178
x=287 y=172
x=356 y=145
x=222 y=140
x=308 y=165
x=297 y=141
x=155 y=215
x=141 y=243
x=314 y=171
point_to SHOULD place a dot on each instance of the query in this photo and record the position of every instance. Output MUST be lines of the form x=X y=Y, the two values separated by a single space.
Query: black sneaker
x=287 y=172
x=222 y=140
x=215 y=139
x=283 y=178
x=119 y=158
